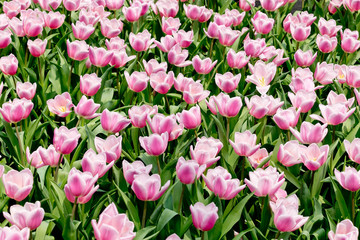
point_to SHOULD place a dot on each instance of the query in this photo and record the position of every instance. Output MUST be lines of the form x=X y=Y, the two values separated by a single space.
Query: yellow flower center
x=62 y=109
x=314 y=159
x=341 y=76
x=262 y=82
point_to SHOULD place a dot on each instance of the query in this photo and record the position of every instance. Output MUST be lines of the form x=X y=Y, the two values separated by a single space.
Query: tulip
x=344 y=230
x=357 y=95
x=173 y=237
x=274 y=104
x=304 y=59
x=325 y=43
x=237 y=60
x=191 y=119
x=213 y=30
x=115 y=43
x=111 y=146
x=89 y=17
x=219 y=181
x=90 y=84
x=254 y=48
x=300 y=31
x=4 y=21
x=286 y=214
x=227 y=36
x=170 y=25
x=30 y=216
x=353 y=149
x=262 y=75
x=137 y=81
x=120 y=58
x=37 y=47
x=184 y=39
x=153 y=66
x=16 y=25
x=265 y=181
x=49 y=5
x=162 y=82
x=181 y=83
x=113 y=122
x=334 y=98
x=258 y=157
x=148 y=188
x=33 y=26
x=333 y=114
x=155 y=144
x=111 y=28
x=16 y=110
x=270 y=5
x=82 y=31
x=167 y=8
x=328 y=28
x=160 y=124
x=223 y=20
x=278 y=195
x=194 y=93
x=341 y=72
x=99 y=56
x=348 y=179
x=72 y=5
x=353 y=5
x=310 y=133
x=262 y=23
x=236 y=16
x=352 y=76
x=131 y=170
x=86 y=108
x=49 y=157
x=141 y=41
x=34 y=159
x=26 y=90
x=61 y=105
x=287 y=118
x=227 y=82
x=334 y=4
x=349 y=41
x=226 y=106
x=5 y=38
x=14 y=232
x=80 y=186
x=54 y=20
x=18 y=185
x=245 y=144
x=303 y=100
x=177 y=56
x=245 y=4
x=65 y=140
x=188 y=171
x=289 y=154
x=77 y=50
x=203 y=66
x=206 y=150
x=9 y=64
x=11 y=8
x=314 y=156
x=132 y=13
x=204 y=217
x=195 y=12
x=302 y=79
x=258 y=106
x=139 y=114
x=114 y=4
x=306 y=18
x=95 y=163
x=270 y=53
x=166 y=43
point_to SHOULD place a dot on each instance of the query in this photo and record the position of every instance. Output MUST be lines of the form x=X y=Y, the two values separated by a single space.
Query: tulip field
x=179 y=119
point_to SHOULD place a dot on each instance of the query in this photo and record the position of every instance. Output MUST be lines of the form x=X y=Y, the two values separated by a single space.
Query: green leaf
x=340 y=201
x=165 y=218
x=141 y=234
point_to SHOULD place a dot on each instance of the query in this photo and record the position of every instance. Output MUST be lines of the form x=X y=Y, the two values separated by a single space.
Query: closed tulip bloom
x=141 y=41
x=191 y=118
x=139 y=114
x=111 y=28
x=245 y=144
x=166 y=43
x=193 y=12
x=188 y=171
x=28 y=216
x=226 y=106
x=9 y=64
x=111 y=146
x=34 y=159
x=89 y=17
x=153 y=66
x=100 y=57
x=16 y=25
x=37 y=47
x=133 y=12
x=160 y=124
x=299 y=31
x=33 y=26
x=181 y=83
x=120 y=58
x=287 y=118
x=213 y=30
x=334 y=98
x=349 y=41
x=173 y=237
x=348 y=179
x=236 y=16
x=352 y=76
x=254 y=48
x=227 y=36
x=77 y=50
x=258 y=106
x=286 y=214
x=303 y=100
x=219 y=181
x=325 y=43
x=54 y=20
x=205 y=15
x=328 y=28
x=95 y=163
x=155 y=144
x=90 y=84
x=177 y=56
x=86 y=108
x=16 y=110
x=184 y=39
x=161 y=82
x=26 y=90
x=170 y=25
x=11 y=8
x=167 y=8
x=334 y=5
x=245 y=4
x=113 y=122
x=353 y=149
x=148 y=188
x=114 y=4
x=306 y=18
x=194 y=93
x=310 y=133
x=262 y=23
x=115 y=43
x=223 y=20
x=302 y=79
x=204 y=217
x=137 y=81
x=203 y=66
x=61 y=105
x=18 y=185
x=14 y=232
x=80 y=186
x=271 y=52
x=271 y=5
x=265 y=181
x=206 y=150
x=344 y=230
x=227 y=82
x=353 y=5
x=49 y=157
x=258 y=157
x=82 y=31
x=49 y=5
x=333 y=114
x=72 y=5
x=5 y=38
x=289 y=153
x=304 y=59
x=130 y=170
x=314 y=156
x=262 y=75
x=65 y=140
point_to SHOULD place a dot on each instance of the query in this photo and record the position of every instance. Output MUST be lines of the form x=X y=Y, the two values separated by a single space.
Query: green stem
x=211 y=47
x=118 y=81
x=227 y=128
x=277 y=235
x=181 y=198
x=202 y=235
x=167 y=102
x=20 y=145
x=242 y=169
x=333 y=133
x=57 y=168
x=288 y=135
x=144 y=215
x=69 y=80
x=297 y=45
x=158 y=164
x=196 y=135
x=74 y=209
x=353 y=205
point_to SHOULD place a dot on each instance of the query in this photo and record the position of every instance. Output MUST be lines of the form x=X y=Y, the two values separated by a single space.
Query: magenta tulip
x=166 y=43
x=111 y=28
x=148 y=188
x=287 y=118
x=262 y=23
x=254 y=48
x=262 y=75
x=191 y=118
x=189 y=171
x=161 y=82
x=100 y=57
x=16 y=110
x=54 y=20
x=113 y=122
x=155 y=144
x=303 y=100
x=348 y=179
x=329 y=27
x=325 y=43
x=153 y=66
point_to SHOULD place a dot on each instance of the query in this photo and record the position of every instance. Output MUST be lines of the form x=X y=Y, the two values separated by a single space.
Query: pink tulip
x=82 y=31
x=206 y=150
x=306 y=18
x=65 y=140
x=131 y=170
x=90 y=84
x=194 y=93
x=111 y=28
x=16 y=110
x=352 y=149
x=181 y=83
x=139 y=114
x=265 y=181
x=100 y=57
x=262 y=23
x=344 y=230
x=26 y=90
x=148 y=188
x=114 y=4
x=86 y=108
x=191 y=119
x=61 y=105
x=115 y=43
x=137 y=81
x=30 y=216
x=286 y=214
x=334 y=98
x=258 y=157
x=18 y=185
x=237 y=60
x=111 y=146
x=262 y=75
x=37 y=47
x=245 y=4
x=328 y=28
x=5 y=38
x=341 y=71
x=95 y=163
x=314 y=156
x=302 y=79
x=77 y=50
x=170 y=25
x=132 y=13
x=155 y=144
x=112 y=225
x=304 y=59
x=300 y=31
x=195 y=12
x=219 y=181
x=334 y=4
x=310 y=133
x=160 y=124
x=34 y=159
x=173 y=237
x=271 y=5
x=287 y=118
x=166 y=43
x=227 y=36
x=352 y=76
x=177 y=56
x=161 y=82
x=203 y=66
x=9 y=64
x=357 y=95
x=349 y=41
x=184 y=39
x=72 y=5
x=213 y=30
x=258 y=106
x=325 y=43
x=16 y=25
x=49 y=156
x=303 y=100
x=227 y=82
x=120 y=58
x=11 y=8
x=167 y=8
x=236 y=16
x=348 y=179
x=80 y=186
x=89 y=17
x=333 y=114
x=48 y=5
x=245 y=144
x=33 y=26
x=141 y=41
x=113 y=122
x=226 y=106
x=54 y=20
x=278 y=195
x=271 y=52
x=289 y=154
x=204 y=217
x=4 y=21
x=254 y=48
x=223 y=20
x=353 y=5
x=15 y=233
x=188 y=171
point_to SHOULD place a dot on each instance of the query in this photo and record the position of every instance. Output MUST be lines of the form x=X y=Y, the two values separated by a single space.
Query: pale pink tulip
x=18 y=185
x=28 y=216
x=348 y=179
x=130 y=170
x=310 y=133
x=139 y=114
x=148 y=188
x=141 y=41
x=137 y=81
x=227 y=82
x=113 y=122
x=189 y=171
x=333 y=114
x=160 y=124
x=204 y=217
x=90 y=84
x=304 y=59
x=344 y=230
x=161 y=82
x=61 y=105
x=178 y=56
x=262 y=75
x=303 y=100
x=353 y=149
x=314 y=156
x=111 y=146
x=82 y=31
x=206 y=150
x=16 y=110
x=226 y=106
x=289 y=153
